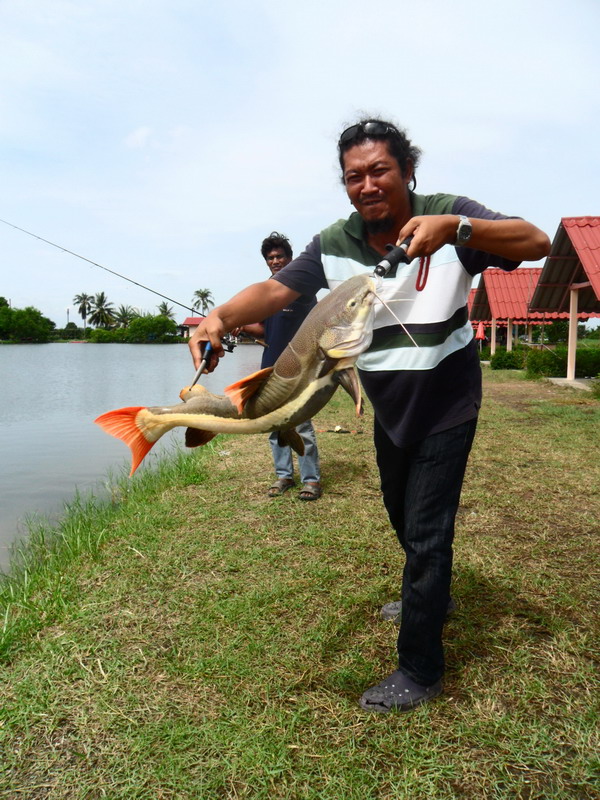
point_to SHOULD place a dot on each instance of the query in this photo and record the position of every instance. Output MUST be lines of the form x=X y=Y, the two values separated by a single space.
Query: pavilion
x=502 y=300
x=570 y=279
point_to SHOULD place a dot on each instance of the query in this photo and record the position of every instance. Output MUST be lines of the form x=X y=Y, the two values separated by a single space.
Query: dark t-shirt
x=282 y=326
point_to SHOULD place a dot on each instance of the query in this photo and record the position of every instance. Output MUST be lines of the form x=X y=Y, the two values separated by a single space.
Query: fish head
x=335 y=332
x=347 y=314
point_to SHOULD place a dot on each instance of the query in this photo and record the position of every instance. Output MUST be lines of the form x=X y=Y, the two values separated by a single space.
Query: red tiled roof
x=192 y=320
x=574 y=259
x=505 y=295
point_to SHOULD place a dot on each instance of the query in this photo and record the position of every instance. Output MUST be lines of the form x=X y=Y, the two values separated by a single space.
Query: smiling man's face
x=376 y=186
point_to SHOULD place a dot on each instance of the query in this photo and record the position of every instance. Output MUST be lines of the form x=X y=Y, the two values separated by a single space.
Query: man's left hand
x=430 y=233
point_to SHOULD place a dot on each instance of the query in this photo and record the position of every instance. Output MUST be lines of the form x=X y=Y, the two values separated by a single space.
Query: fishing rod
x=95 y=264
x=229 y=342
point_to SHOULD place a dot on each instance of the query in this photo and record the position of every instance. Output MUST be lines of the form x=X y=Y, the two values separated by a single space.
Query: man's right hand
x=212 y=330
x=255 y=302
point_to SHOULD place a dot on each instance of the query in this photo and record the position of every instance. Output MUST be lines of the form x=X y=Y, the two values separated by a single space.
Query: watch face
x=464 y=232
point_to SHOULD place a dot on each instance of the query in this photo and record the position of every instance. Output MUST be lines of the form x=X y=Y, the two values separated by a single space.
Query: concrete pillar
x=572 y=334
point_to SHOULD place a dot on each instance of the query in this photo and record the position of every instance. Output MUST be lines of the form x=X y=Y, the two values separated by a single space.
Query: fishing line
x=404 y=328
x=95 y=264
x=159 y=294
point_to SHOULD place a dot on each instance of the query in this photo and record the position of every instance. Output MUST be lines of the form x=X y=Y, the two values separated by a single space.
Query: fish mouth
x=356 y=337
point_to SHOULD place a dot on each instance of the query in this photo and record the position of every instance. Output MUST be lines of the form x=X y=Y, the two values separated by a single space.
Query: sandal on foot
x=398 y=692
x=310 y=491
x=280 y=486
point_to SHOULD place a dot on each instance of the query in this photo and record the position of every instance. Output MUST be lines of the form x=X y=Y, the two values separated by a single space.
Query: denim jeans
x=421 y=487
x=308 y=464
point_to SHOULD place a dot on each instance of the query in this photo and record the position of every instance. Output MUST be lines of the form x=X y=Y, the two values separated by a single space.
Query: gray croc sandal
x=398 y=692
x=280 y=486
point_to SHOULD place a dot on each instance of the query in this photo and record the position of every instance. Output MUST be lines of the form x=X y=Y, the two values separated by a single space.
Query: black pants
x=421 y=487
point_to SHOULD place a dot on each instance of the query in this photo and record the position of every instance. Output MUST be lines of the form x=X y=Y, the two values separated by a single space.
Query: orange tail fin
x=122 y=424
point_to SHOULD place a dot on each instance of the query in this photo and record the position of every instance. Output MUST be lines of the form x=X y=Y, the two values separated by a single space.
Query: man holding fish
x=421 y=371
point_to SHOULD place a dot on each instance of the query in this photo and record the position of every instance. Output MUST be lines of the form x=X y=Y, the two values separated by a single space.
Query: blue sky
x=164 y=140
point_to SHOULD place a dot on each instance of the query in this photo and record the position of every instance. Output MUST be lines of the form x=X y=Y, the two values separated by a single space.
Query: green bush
x=503 y=359
x=158 y=329
x=587 y=364
x=147 y=329
x=553 y=363
x=24 y=324
x=69 y=332
x=102 y=336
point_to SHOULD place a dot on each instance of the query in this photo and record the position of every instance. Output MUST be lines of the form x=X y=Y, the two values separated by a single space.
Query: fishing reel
x=229 y=342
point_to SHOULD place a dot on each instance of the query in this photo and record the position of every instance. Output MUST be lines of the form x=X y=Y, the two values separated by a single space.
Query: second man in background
x=277 y=331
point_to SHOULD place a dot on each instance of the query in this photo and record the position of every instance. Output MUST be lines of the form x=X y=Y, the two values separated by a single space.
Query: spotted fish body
x=318 y=359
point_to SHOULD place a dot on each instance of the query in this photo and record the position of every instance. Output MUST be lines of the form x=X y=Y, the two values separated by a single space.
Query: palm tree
x=84 y=306
x=204 y=299
x=124 y=315
x=102 y=315
x=165 y=310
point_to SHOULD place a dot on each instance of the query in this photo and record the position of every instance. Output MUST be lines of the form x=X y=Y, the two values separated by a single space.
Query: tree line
x=128 y=324
x=102 y=314
x=109 y=323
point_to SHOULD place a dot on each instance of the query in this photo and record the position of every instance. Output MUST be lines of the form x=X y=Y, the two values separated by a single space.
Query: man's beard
x=375 y=226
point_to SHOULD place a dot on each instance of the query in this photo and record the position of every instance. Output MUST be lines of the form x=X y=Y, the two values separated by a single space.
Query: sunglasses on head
x=368 y=129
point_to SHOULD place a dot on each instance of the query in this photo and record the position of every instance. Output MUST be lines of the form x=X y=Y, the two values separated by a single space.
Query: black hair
x=274 y=240
x=401 y=148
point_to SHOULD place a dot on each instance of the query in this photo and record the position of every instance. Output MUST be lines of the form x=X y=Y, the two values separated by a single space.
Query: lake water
x=50 y=395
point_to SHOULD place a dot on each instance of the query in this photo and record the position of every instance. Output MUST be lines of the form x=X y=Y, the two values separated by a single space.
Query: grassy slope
x=203 y=641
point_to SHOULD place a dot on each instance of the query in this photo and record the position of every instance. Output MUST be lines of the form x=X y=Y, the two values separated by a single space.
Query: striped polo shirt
x=430 y=380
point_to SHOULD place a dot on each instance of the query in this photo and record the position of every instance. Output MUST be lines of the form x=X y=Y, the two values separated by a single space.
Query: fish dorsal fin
x=241 y=391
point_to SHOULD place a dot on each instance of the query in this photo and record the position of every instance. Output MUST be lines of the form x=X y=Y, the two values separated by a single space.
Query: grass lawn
x=198 y=640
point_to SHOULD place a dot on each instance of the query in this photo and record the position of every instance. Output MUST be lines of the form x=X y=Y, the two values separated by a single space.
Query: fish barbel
x=318 y=359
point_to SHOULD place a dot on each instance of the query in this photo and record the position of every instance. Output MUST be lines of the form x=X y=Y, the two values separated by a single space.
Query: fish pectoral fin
x=122 y=424
x=326 y=364
x=348 y=380
x=196 y=438
x=291 y=438
x=240 y=392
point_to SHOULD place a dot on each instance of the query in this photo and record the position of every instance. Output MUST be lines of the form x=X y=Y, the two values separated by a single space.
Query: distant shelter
x=570 y=279
x=501 y=303
x=188 y=326
x=566 y=287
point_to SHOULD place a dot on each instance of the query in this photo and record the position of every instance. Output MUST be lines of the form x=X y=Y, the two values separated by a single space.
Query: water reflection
x=50 y=395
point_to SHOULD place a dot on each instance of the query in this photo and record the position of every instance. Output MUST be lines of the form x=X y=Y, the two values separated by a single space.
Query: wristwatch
x=464 y=231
